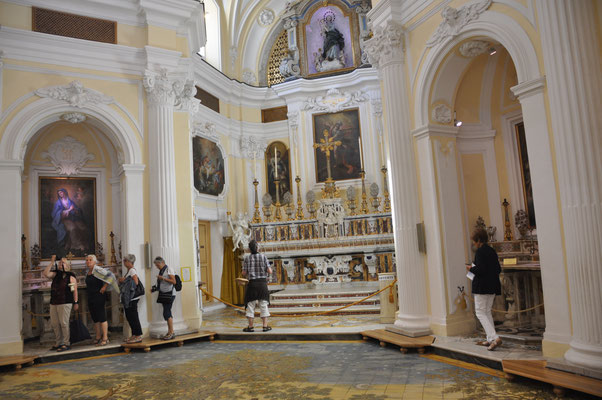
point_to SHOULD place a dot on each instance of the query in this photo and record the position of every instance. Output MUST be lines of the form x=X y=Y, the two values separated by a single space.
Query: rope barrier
x=507 y=311
x=307 y=314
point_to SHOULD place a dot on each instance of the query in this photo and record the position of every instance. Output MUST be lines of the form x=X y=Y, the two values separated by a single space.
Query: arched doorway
x=27 y=154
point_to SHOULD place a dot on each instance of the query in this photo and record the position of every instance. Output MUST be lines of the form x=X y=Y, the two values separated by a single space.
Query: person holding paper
x=485 y=285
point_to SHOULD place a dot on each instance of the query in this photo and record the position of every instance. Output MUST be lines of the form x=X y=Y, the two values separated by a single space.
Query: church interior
x=373 y=150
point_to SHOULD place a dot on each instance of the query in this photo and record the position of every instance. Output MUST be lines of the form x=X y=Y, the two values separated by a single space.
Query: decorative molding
x=162 y=89
x=456 y=19
x=73 y=117
x=386 y=45
x=205 y=129
x=442 y=114
x=233 y=56
x=252 y=147
x=335 y=101
x=249 y=78
x=473 y=48
x=529 y=88
x=68 y=155
x=184 y=100
x=75 y=94
x=266 y=17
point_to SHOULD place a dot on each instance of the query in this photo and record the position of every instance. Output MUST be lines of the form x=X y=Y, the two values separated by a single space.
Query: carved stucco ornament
x=456 y=19
x=442 y=114
x=68 y=155
x=75 y=94
x=335 y=101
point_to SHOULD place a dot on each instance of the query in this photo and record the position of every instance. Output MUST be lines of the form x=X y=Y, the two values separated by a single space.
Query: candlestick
x=361 y=153
x=254 y=166
x=113 y=257
x=300 y=215
x=387 y=203
x=364 y=206
x=278 y=214
x=507 y=229
x=256 y=215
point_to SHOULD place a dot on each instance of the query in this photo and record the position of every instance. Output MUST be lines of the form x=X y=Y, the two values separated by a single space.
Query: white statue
x=241 y=233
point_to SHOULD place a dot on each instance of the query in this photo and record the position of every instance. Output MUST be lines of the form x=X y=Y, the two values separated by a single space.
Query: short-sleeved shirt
x=132 y=272
x=166 y=286
x=256 y=266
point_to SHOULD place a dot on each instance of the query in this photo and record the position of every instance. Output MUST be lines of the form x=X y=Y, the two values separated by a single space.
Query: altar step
x=314 y=300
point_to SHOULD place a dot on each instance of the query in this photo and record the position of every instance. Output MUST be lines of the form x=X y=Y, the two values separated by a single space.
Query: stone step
x=357 y=309
x=333 y=300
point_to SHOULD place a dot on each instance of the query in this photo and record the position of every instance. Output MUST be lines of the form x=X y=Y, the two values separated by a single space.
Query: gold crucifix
x=327 y=145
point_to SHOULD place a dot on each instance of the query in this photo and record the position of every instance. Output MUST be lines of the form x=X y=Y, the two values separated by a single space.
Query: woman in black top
x=96 y=302
x=485 y=285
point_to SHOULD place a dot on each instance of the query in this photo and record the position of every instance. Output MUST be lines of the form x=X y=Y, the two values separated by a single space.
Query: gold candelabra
x=364 y=205
x=299 y=215
x=256 y=215
x=507 y=229
x=113 y=257
x=387 y=202
x=278 y=213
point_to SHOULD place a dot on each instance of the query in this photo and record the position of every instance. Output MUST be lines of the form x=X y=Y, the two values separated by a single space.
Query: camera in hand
x=154 y=288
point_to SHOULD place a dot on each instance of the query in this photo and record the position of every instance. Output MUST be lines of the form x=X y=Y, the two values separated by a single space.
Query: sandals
x=96 y=341
x=169 y=336
x=103 y=342
x=135 y=339
x=249 y=329
x=54 y=348
x=63 y=347
x=267 y=328
x=483 y=343
x=497 y=342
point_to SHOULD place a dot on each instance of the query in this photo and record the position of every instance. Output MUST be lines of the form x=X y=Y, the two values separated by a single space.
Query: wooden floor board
x=148 y=343
x=536 y=370
x=404 y=342
x=18 y=361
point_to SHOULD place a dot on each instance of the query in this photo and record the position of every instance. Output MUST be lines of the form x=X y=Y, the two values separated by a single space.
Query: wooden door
x=205 y=257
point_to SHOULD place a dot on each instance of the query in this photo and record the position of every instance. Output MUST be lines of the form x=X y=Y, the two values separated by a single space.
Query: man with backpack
x=167 y=285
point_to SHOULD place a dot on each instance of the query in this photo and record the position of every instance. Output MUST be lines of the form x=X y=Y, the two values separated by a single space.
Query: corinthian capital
x=386 y=45
x=159 y=87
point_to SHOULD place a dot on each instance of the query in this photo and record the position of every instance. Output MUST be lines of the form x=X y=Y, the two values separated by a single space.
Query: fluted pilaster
x=571 y=57
x=385 y=52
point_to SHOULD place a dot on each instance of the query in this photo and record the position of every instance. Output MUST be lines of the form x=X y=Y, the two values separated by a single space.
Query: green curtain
x=231 y=291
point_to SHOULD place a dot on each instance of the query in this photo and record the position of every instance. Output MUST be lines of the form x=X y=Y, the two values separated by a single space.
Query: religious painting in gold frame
x=67 y=216
x=314 y=27
x=284 y=169
x=345 y=159
x=525 y=173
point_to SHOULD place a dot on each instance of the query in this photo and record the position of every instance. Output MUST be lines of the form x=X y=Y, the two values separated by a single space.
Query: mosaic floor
x=284 y=370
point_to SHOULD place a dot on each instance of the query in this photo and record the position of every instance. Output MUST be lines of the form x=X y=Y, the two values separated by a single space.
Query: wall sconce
x=456 y=122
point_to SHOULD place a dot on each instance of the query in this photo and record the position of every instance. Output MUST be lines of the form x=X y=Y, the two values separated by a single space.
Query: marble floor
x=260 y=370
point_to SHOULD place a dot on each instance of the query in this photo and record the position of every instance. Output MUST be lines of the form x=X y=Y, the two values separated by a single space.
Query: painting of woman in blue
x=67 y=216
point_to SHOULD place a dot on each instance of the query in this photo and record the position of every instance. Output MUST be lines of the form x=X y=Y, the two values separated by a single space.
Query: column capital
x=127 y=169
x=529 y=88
x=165 y=90
x=386 y=45
x=12 y=165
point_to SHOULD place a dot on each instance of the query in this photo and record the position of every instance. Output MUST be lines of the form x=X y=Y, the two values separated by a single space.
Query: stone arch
x=24 y=125
x=492 y=25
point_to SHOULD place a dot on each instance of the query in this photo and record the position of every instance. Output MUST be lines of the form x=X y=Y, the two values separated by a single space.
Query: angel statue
x=241 y=233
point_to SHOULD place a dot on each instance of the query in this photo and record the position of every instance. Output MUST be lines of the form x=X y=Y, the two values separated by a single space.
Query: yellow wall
x=468 y=95
x=15 y=16
x=475 y=187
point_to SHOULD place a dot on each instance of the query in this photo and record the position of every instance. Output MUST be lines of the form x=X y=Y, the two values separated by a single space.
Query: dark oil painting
x=284 y=169
x=67 y=216
x=342 y=127
x=208 y=167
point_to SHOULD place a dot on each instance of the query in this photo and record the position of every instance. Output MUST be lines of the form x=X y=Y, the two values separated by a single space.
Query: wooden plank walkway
x=18 y=361
x=560 y=380
x=149 y=343
x=404 y=342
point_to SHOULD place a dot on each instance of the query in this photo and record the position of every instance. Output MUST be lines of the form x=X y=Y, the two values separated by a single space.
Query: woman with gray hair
x=130 y=294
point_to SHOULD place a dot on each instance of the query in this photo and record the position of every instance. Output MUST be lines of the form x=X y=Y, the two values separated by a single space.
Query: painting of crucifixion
x=336 y=144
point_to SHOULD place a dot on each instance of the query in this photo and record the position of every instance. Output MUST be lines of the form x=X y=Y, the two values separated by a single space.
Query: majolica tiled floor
x=260 y=370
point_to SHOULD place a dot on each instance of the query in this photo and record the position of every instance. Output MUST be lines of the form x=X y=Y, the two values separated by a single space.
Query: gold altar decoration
x=327 y=145
x=256 y=214
x=364 y=205
x=299 y=215
x=387 y=201
x=277 y=205
x=507 y=229
x=113 y=257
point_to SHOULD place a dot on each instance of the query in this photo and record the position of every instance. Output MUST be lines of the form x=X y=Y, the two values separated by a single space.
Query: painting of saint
x=342 y=128
x=284 y=174
x=328 y=40
x=208 y=167
x=525 y=173
x=67 y=216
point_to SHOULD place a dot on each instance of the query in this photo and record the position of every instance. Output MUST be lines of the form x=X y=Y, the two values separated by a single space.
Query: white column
x=549 y=231
x=132 y=229
x=571 y=52
x=10 y=248
x=385 y=52
x=164 y=236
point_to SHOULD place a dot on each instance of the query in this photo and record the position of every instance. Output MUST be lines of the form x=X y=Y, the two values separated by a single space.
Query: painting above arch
x=208 y=167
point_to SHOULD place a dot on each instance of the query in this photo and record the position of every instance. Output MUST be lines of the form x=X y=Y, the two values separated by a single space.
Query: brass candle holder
x=278 y=213
x=256 y=215
x=387 y=201
x=507 y=230
x=299 y=215
x=364 y=205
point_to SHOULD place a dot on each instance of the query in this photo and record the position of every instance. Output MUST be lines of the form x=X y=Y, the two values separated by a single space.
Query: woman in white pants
x=485 y=285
